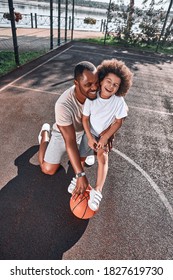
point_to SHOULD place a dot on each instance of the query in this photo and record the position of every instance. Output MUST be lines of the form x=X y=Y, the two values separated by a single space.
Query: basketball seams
x=79 y=202
x=85 y=197
x=80 y=207
x=85 y=210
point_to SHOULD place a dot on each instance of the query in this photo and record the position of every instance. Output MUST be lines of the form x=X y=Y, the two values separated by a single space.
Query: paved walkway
x=39 y=39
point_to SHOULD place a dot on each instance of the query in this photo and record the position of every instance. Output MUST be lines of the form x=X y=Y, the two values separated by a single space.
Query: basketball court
x=135 y=219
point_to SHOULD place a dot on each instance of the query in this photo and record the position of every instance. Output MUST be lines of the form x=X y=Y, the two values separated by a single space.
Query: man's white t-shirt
x=68 y=110
x=103 y=112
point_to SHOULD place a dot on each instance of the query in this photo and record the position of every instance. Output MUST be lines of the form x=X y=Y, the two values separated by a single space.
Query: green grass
x=7 y=60
x=144 y=47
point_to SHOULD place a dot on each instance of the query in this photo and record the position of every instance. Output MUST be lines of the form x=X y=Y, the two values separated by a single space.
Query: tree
x=138 y=26
x=151 y=23
x=130 y=18
x=168 y=30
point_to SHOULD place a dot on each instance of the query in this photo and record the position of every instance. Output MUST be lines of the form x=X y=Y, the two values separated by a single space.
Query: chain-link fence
x=44 y=29
x=34 y=31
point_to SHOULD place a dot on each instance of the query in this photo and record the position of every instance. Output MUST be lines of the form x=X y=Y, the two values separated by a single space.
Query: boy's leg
x=102 y=157
x=95 y=194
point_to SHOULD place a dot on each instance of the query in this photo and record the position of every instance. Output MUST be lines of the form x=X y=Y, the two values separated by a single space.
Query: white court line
x=36 y=90
x=10 y=84
x=150 y=110
x=152 y=183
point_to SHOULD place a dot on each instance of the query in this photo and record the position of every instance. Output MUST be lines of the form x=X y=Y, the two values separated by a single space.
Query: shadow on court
x=36 y=221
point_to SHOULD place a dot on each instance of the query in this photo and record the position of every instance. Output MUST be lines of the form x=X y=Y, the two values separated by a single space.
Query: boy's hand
x=92 y=143
x=102 y=142
x=110 y=141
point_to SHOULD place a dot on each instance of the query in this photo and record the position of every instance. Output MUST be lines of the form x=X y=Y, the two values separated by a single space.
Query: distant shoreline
x=45 y=5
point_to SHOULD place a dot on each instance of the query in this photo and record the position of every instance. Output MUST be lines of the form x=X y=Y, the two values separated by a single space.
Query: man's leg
x=82 y=159
x=46 y=167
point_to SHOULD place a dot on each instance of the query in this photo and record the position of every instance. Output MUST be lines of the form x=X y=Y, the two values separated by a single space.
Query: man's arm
x=91 y=140
x=69 y=135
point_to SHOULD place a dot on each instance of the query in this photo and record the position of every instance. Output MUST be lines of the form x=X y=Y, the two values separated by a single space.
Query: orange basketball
x=80 y=207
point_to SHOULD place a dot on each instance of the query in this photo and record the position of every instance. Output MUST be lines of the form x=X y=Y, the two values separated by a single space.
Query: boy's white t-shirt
x=103 y=112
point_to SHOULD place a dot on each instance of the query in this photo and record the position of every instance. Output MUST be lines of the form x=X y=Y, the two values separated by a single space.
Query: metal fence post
x=59 y=22
x=104 y=25
x=101 y=26
x=72 y=29
x=13 y=28
x=66 y=15
x=51 y=24
x=35 y=20
x=69 y=26
x=32 y=24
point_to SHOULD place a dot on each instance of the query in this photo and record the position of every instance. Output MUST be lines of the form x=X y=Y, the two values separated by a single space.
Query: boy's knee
x=103 y=158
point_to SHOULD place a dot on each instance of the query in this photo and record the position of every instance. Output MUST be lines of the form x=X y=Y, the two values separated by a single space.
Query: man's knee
x=49 y=169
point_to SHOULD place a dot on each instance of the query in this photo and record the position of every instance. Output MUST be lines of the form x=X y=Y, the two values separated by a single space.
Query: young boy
x=103 y=117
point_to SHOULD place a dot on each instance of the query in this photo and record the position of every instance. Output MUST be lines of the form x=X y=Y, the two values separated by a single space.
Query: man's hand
x=68 y=133
x=110 y=143
x=81 y=186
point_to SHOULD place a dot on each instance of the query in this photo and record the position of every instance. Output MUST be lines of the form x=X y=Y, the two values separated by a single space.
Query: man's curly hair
x=118 y=68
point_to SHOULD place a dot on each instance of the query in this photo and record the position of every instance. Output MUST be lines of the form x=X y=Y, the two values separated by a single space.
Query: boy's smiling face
x=109 y=85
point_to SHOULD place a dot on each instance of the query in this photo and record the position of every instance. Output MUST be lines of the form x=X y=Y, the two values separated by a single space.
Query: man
x=67 y=129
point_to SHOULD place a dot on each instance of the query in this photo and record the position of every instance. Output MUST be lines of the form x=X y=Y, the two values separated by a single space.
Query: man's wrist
x=80 y=174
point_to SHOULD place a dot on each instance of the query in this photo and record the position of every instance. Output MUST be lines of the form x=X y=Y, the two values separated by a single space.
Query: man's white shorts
x=56 y=147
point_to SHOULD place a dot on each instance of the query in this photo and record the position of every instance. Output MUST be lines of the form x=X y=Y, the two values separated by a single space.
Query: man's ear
x=76 y=82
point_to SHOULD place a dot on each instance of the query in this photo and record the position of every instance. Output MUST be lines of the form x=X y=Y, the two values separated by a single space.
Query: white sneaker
x=72 y=185
x=95 y=199
x=46 y=127
x=90 y=160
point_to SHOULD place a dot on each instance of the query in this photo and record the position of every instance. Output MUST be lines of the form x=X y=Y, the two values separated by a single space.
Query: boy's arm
x=68 y=133
x=108 y=134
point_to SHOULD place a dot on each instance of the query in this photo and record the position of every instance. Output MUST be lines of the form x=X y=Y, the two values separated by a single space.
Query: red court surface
x=135 y=219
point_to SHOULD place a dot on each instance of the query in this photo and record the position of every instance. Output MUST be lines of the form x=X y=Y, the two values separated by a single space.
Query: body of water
x=42 y=10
